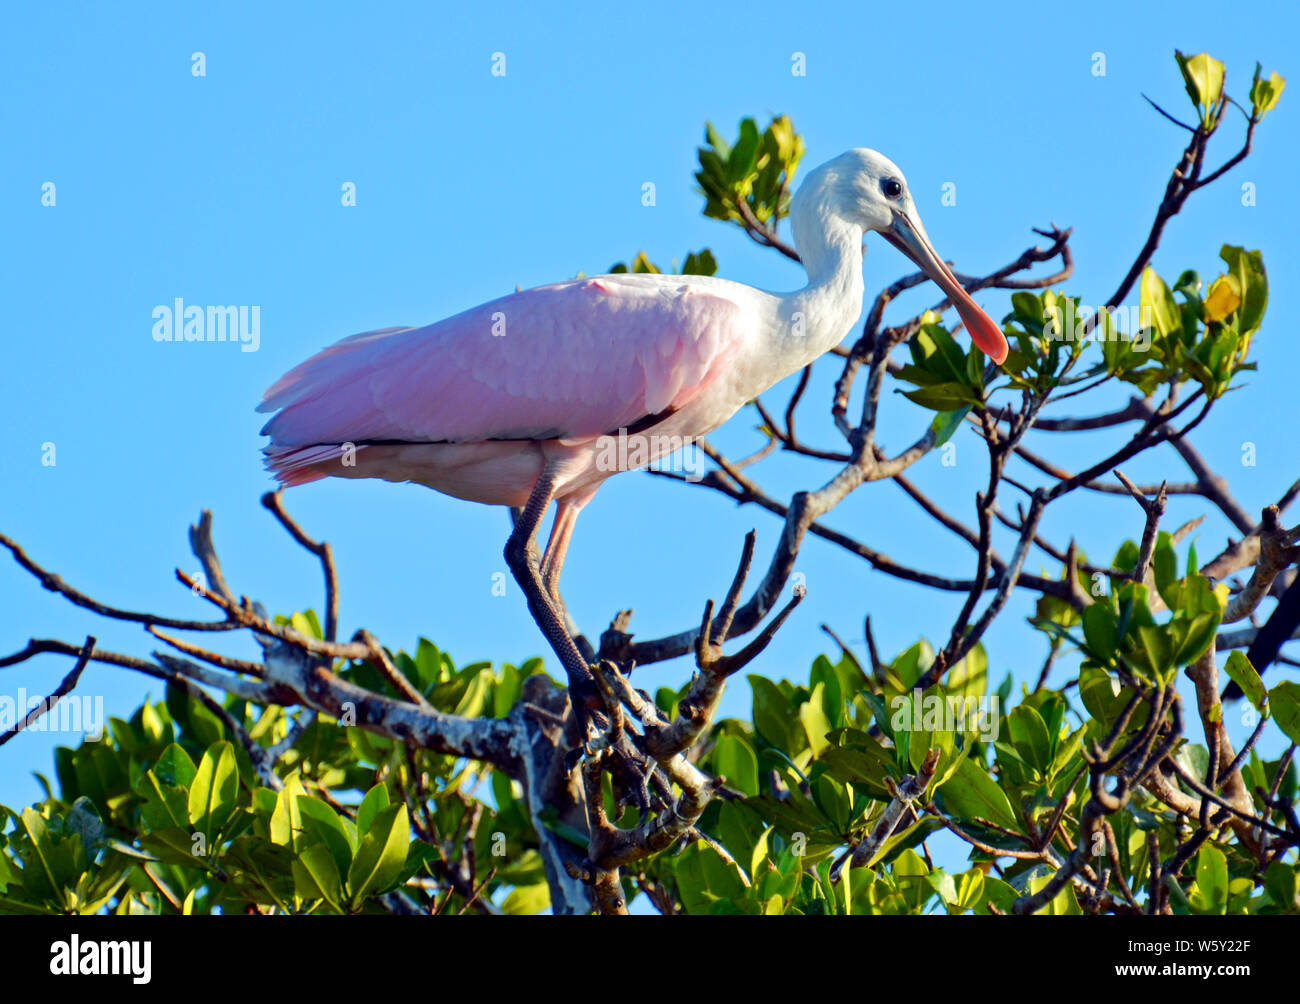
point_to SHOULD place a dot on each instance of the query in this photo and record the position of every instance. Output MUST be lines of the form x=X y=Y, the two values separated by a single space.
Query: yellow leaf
x=1203 y=75
x=815 y=723
x=527 y=899
x=1264 y=93
x=1222 y=299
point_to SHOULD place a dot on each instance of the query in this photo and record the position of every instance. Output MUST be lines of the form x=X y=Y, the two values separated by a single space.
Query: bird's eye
x=892 y=187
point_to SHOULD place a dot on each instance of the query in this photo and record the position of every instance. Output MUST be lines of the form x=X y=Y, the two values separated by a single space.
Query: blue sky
x=225 y=189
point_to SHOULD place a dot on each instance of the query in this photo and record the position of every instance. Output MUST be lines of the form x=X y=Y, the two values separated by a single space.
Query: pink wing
x=572 y=360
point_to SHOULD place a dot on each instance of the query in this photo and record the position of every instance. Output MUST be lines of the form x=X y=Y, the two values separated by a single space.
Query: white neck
x=818 y=316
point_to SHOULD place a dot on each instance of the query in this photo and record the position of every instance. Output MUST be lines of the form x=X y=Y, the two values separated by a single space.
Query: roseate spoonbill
x=513 y=402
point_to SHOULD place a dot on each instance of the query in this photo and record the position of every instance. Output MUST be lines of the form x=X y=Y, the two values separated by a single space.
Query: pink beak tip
x=986 y=334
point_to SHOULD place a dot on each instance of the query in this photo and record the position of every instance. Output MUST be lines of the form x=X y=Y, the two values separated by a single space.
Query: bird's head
x=866 y=189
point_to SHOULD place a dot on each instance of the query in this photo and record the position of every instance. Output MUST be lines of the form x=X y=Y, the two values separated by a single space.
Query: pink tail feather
x=300 y=465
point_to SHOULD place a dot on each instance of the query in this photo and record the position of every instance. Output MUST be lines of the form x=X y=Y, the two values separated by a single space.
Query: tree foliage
x=347 y=777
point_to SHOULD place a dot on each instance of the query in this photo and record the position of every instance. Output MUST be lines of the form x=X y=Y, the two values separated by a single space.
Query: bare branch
x=55 y=584
x=904 y=793
x=1153 y=510
x=47 y=705
x=322 y=551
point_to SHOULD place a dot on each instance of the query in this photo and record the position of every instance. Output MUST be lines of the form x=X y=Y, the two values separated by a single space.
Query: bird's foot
x=597 y=736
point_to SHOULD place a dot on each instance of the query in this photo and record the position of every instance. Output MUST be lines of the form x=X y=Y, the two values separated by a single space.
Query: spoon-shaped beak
x=909 y=237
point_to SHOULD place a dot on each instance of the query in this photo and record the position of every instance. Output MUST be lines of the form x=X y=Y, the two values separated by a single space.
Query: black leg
x=522 y=557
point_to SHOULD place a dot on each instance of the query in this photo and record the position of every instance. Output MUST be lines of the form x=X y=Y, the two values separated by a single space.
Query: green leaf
x=771 y=712
x=381 y=855
x=734 y=759
x=1064 y=903
x=700 y=263
x=1154 y=650
x=1196 y=635
x=904 y=838
x=942 y=397
x=715 y=140
x=476 y=695
x=761 y=852
x=970 y=889
x=1028 y=307
x=1101 y=631
x=1247 y=268
x=1029 y=736
x=910 y=664
x=1212 y=878
x=320 y=821
x=868 y=766
x=175 y=845
x=740 y=162
x=165 y=805
x=174 y=767
x=1242 y=673
x=1164 y=568
x=971 y=792
x=706 y=882
x=1000 y=894
x=813 y=717
x=214 y=791
x=1193 y=758
x=1284 y=699
x=316 y=875
x=430 y=668
x=793 y=814
x=286 y=820
x=306 y=622
x=1155 y=295
x=935 y=350
x=48 y=870
x=1280 y=882
x=375 y=800
x=527 y=899
x=190 y=713
x=832 y=797
x=946 y=424
x=114 y=870
x=970 y=676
